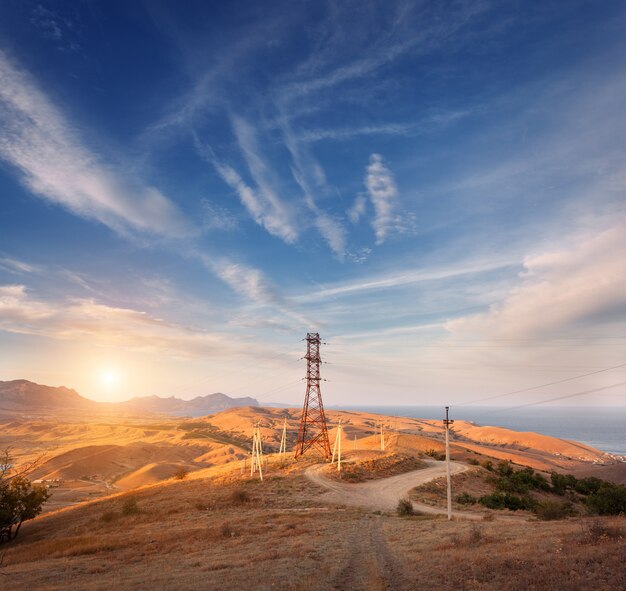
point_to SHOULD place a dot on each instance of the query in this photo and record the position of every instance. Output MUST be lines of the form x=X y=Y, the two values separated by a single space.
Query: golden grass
x=233 y=532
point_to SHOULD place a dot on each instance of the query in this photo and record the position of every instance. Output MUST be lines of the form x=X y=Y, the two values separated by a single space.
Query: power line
x=542 y=385
x=560 y=397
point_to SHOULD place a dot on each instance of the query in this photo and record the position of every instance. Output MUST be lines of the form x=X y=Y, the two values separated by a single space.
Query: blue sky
x=186 y=189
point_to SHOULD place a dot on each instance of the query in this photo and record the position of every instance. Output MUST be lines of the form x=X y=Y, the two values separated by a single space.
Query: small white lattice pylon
x=282 y=452
x=337 y=447
x=257 y=453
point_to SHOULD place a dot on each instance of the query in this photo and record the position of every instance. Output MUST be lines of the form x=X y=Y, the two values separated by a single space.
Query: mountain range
x=22 y=397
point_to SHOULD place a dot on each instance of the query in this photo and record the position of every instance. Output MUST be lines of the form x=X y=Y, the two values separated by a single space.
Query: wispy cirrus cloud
x=265 y=205
x=54 y=163
x=15 y=266
x=406 y=277
x=311 y=178
x=432 y=122
x=103 y=325
x=254 y=286
x=383 y=193
x=218 y=218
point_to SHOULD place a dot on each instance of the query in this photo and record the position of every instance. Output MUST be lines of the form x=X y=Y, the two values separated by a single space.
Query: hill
x=22 y=397
x=196 y=407
x=222 y=530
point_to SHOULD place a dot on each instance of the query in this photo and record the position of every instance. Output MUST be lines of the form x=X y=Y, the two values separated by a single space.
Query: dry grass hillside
x=219 y=529
x=87 y=459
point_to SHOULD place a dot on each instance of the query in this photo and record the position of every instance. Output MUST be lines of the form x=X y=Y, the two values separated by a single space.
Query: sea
x=602 y=428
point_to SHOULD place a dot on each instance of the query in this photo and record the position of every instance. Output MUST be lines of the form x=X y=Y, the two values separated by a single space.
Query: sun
x=109 y=379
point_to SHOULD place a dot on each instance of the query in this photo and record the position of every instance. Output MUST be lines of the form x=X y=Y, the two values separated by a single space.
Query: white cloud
x=53 y=163
x=381 y=187
x=309 y=175
x=252 y=284
x=218 y=218
x=346 y=133
x=17 y=309
x=87 y=320
x=580 y=285
x=15 y=266
x=265 y=206
x=403 y=278
x=358 y=209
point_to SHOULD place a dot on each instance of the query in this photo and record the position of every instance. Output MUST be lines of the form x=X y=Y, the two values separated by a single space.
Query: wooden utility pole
x=382 y=437
x=257 y=453
x=282 y=452
x=446 y=423
x=337 y=447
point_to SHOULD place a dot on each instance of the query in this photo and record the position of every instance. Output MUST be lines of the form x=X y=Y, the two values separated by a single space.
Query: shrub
x=405 y=507
x=588 y=486
x=435 y=454
x=519 y=482
x=487 y=465
x=562 y=482
x=227 y=531
x=466 y=499
x=476 y=534
x=239 y=497
x=504 y=468
x=598 y=530
x=473 y=462
x=610 y=499
x=109 y=516
x=506 y=501
x=181 y=473
x=130 y=506
x=552 y=510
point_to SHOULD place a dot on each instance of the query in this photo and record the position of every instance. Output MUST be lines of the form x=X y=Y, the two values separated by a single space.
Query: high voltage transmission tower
x=313 y=432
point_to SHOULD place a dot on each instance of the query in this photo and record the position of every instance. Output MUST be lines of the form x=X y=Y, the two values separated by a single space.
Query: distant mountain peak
x=21 y=396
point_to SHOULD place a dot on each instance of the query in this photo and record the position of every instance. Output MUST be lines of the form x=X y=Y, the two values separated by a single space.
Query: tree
x=20 y=500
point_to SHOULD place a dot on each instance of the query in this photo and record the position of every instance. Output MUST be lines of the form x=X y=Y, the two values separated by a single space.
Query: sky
x=437 y=188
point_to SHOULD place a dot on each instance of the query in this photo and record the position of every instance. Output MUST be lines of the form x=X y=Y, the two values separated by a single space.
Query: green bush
x=465 y=499
x=519 y=482
x=504 y=468
x=507 y=501
x=473 y=462
x=610 y=499
x=487 y=465
x=561 y=482
x=551 y=510
x=588 y=486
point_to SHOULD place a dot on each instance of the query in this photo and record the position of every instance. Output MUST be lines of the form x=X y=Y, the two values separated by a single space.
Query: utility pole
x=337 y=448
x=282 y=452
x=257 y=453
x=446 y=423
x=382 y=438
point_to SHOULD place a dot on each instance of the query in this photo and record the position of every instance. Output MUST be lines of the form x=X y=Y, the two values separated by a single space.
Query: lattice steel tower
x=313 y=432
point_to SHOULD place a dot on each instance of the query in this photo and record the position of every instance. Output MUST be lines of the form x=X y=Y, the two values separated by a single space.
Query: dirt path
x=371 y=565
x=383 y=494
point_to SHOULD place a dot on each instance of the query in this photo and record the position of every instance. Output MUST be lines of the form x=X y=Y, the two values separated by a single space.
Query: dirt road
x=371 y=564
x=383 y=494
